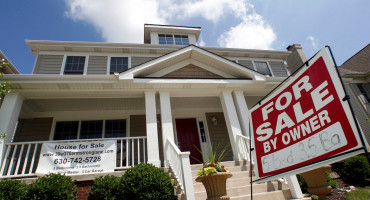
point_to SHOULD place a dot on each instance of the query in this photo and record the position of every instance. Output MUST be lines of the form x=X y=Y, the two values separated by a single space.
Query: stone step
x=243 y=190
x=236 y=175
x=232 y=169
x=227 y=164
x=230 y=183
x=274 y=195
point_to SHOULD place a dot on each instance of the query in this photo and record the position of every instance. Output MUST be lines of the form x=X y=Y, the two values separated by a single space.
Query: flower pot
x=215 y=185
x=317 y=183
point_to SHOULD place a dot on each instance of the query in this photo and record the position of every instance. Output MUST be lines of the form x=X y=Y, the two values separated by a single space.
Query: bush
x=331 y=182
x=12 y=189
x=53 y=187
x=302 y=183
x=353 y=170
x=106 y=187
x=145 y=181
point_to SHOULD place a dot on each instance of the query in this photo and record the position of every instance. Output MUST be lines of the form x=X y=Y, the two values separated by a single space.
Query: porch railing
x=180 y=165
x=244 y=145
x=21 y=158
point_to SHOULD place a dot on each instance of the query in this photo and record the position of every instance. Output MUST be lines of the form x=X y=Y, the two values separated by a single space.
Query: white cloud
x=313 y=42
x=201 y=42
x=252 y=33
x=123 y=20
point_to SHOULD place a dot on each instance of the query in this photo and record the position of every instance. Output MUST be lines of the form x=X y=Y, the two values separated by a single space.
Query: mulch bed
x=338 y=193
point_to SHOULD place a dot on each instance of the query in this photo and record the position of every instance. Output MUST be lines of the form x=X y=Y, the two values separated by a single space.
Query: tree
x=4 y=86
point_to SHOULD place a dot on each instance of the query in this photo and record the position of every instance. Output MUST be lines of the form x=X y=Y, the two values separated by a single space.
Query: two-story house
x=156 y=99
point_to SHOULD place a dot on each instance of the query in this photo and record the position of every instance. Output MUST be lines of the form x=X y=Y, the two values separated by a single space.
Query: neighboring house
x=9 y=68
x=154 y=98
x=356 y=75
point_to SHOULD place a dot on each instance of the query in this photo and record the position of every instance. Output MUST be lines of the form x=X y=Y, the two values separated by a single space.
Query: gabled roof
x=195 y=56
x=358 y=64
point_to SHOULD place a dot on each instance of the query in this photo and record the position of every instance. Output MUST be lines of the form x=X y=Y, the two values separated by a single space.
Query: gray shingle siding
x=48 y=64
x=246 y=63
x=135 y=61
x=97 y=65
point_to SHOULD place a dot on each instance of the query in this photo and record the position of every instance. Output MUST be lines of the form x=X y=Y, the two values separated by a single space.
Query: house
x=155 y=100
x=356 y=75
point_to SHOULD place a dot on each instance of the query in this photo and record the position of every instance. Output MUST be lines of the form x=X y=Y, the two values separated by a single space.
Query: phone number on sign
x=78 y=160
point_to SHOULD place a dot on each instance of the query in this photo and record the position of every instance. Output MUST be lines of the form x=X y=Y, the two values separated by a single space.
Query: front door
x=187 y=136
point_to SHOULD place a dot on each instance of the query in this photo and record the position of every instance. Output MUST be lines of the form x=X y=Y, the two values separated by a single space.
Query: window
x=173 y=39
x=118 y=64
x=364 y=96
x=202 y=132
x=262 y=67
x=66 y=130
x=91 y=129
x=74 y=65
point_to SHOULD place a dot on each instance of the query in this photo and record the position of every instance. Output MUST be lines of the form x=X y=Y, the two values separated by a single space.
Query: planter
x=317 y=183
x=215 y=185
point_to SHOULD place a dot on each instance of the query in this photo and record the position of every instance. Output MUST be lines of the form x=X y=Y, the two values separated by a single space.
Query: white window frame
x=109 y=61
x=173 y=38
x=268 y=65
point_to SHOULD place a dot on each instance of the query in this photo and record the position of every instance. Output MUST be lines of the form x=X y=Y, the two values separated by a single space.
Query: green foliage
x=331 y=182
x=213 y=156
x=106 y=188
x=359 y=194
x=53 y=187
x=145 y=181
x=353 y=170
x=302 y=183
x=314 y=197
x=4 y=86
x=12 y=189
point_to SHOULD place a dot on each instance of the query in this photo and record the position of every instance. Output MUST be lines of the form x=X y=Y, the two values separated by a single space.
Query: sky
x=251 y=24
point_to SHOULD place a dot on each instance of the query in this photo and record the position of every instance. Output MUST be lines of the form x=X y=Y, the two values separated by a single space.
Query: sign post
x=305 y=124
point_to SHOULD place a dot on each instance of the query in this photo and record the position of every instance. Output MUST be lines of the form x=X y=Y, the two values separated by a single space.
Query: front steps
x=238 y=186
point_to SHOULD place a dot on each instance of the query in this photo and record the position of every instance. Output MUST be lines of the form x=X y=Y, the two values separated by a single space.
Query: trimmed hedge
x=106 y=188
x=145 y=181
x=12 y=189
x=53 y=187
x=353 y=170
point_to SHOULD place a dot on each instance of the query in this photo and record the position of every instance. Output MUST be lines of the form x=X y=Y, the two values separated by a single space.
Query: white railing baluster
x=19 y=160
x=12 y=160
x=127 y=150
x=33 y=158
x=5 y=159
x=26 y=160
x=133 y=152
x=138 y=151
x=144 y=150
x=120 y=164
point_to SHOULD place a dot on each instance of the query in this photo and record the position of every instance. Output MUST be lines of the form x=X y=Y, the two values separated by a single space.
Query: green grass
x=359 y=194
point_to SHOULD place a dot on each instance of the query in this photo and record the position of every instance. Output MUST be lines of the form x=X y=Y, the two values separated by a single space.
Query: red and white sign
x=304 y=123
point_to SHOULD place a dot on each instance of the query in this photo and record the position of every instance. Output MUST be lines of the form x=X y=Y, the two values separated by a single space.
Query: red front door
x=187 y=136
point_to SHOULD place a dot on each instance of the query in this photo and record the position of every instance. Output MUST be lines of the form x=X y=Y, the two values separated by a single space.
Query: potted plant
x=213 y=175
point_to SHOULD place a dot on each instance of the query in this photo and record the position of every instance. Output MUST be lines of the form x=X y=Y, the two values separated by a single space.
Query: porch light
x=214 y=121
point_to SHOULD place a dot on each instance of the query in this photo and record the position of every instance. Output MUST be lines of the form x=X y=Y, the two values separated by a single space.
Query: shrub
x=106 y=187
x=353 y=170
x=12 y=189
x=302 y=183
x=145 y=181
x=53 y=187
x=331 y=182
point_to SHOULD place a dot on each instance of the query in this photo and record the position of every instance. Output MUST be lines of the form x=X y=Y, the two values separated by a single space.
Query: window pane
x=66 y=130
x=181 y=40
x=74 y=65
x=262 y=68
x=115 y=128
x=118 y=64
x=91 y=129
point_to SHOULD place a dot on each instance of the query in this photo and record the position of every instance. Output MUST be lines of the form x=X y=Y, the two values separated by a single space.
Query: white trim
x=170 y=69
x=63 y=64
x=211 y=69
x=113 y=54
x=34 y=64
x=86 y=64
x=108 y=65
x=212 y=81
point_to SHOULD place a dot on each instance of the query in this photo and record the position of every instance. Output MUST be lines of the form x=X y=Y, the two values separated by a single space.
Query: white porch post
x=9 y=114
x=151 y=129
x=294 y=187
x=167 y=125
x=232 y=122
x=243 y=112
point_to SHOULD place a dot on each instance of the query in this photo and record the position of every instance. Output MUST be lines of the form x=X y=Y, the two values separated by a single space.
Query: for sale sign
x=304 y=124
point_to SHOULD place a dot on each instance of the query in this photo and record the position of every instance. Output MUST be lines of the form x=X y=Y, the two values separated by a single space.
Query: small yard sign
x=304 y=124
x=76 y=158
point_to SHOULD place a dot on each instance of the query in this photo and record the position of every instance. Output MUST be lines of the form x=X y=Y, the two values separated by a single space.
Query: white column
x=167 y=125
x=294 y=187
x=151 y=129
x=9 y=114
x=232 y=122
x=243 y=112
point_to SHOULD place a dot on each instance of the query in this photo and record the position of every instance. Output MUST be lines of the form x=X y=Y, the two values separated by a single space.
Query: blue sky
x=255 y=24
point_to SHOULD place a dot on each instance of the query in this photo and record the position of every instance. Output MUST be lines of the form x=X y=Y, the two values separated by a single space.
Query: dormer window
x=74 y=65
x=173 y=39
x=262 y=67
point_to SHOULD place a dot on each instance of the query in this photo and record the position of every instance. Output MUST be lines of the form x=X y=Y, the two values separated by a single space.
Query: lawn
x=359 y=194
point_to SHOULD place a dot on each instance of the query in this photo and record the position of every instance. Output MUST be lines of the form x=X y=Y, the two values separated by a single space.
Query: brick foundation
x=83 y=189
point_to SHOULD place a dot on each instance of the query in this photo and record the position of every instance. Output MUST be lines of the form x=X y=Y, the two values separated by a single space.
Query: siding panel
x=97 y=65
x=48 y=64
x=246 y=63
x=135 y=61
x=278 y=69
x=218 y=133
